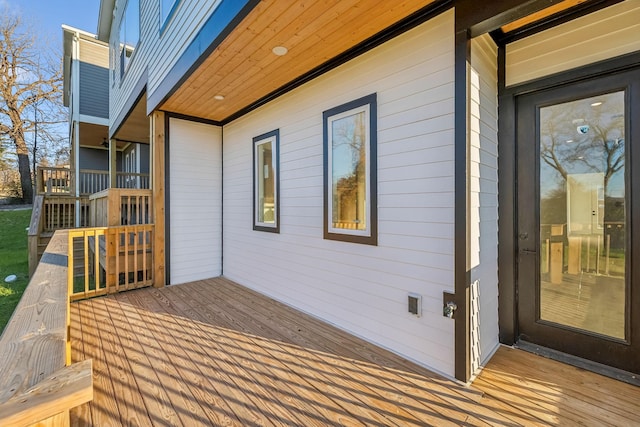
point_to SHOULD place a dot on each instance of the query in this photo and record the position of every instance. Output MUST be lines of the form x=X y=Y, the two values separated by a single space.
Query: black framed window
x=266 y=175
x=129 y=33
x=166 y=10
x=350 y=172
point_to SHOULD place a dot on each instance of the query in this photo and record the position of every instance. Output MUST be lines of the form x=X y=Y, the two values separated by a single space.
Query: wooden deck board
x=215 y=353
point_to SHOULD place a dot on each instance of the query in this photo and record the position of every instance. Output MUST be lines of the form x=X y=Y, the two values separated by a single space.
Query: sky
x=47 y=16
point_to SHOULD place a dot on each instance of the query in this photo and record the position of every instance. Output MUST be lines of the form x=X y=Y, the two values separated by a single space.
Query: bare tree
x=28 y=78
x=601 y=149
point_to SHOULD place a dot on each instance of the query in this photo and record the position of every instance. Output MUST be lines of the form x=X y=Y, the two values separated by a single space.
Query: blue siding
x=94 y=90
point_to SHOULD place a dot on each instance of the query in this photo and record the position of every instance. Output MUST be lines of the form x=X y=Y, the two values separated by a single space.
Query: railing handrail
x=35 y=225
x=54 y=168
x=37 y=381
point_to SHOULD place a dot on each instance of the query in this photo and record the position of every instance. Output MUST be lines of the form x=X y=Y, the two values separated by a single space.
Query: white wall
x=483 y=198
x=601 y=35
x=360 y=288
x=195 y=201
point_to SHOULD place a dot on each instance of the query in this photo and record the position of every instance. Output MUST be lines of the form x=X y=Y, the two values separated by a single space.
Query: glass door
x=575 y=239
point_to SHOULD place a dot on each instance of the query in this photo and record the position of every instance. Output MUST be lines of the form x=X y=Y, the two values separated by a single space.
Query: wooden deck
x=215 y=353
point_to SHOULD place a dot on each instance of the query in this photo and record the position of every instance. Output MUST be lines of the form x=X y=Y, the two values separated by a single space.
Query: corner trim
x=167 y=202
x=461 y=264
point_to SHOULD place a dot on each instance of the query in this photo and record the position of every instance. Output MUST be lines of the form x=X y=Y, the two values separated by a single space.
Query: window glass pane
x=349 y=172
x=165 y=9
x=582 y=214
x=132 y=24
x=265 y=184
x=129 y=33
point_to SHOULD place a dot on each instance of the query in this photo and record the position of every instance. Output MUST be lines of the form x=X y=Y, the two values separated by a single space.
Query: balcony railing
x=54 y=180
x=93 y=181
x=61 y=181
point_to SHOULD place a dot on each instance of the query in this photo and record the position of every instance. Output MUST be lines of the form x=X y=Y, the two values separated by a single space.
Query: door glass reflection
x=582 y=214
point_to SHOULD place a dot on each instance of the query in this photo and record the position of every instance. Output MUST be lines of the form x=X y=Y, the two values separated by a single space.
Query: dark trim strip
x=276 y=182
x=480 y=19
x=139 y=90
x=552 y=21
x=224 y=19
x=507 y=267
x=221 y=200
x=167 y=202
x=393 y=31
x=192 y=118
x=461 y=265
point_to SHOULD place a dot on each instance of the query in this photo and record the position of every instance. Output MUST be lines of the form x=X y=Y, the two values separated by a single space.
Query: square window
x=266 y=173
x=350 y=172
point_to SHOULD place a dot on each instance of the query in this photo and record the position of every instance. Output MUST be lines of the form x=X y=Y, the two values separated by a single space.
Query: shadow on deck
x=216 y=353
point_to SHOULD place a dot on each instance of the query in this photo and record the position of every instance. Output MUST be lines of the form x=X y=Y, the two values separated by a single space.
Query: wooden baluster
x=135 y=255
x=85 y=240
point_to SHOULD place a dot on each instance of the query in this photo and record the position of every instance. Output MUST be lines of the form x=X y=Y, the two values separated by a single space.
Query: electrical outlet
x=414 y=303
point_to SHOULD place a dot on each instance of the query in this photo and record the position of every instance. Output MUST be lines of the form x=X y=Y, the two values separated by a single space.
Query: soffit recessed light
x=280 y=50
x=218 y=97
x=596 y=104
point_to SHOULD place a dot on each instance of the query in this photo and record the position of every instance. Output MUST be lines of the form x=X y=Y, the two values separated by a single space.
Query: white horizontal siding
x=601 y=35
x=483 y=200
x=360 y=288
x=195 y=212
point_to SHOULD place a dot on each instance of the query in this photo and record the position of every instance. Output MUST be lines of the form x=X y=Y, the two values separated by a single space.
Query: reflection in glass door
x=582 y=260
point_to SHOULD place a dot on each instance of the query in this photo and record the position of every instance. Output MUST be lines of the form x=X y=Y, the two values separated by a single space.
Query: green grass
x=13 y=260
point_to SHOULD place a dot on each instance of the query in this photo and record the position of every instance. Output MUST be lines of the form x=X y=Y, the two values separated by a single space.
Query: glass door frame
x=585 y=81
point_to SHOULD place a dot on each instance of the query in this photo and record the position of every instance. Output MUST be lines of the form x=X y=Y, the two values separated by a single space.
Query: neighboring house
x=97 y=162
x=379 y=165
x=86 y=94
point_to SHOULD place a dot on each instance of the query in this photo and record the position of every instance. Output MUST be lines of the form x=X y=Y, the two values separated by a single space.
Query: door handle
x=528 y=252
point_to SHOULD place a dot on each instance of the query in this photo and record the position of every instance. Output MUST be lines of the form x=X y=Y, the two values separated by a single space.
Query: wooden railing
x=54 y=180
x=119 y=206
x=106 y=260
x=94 y=181
x=60 y=212
x=38 y=383
x=89 y=181
x=132 y=180
x=51 y=213
x=35 y=229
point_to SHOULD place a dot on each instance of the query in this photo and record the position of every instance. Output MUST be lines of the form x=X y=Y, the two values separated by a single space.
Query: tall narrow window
x=129 y=33
x=166 y=7
x=350 y=152
x=265 y=182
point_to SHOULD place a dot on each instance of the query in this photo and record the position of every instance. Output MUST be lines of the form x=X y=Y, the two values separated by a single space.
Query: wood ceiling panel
x=303 y=56
x=244 y=69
